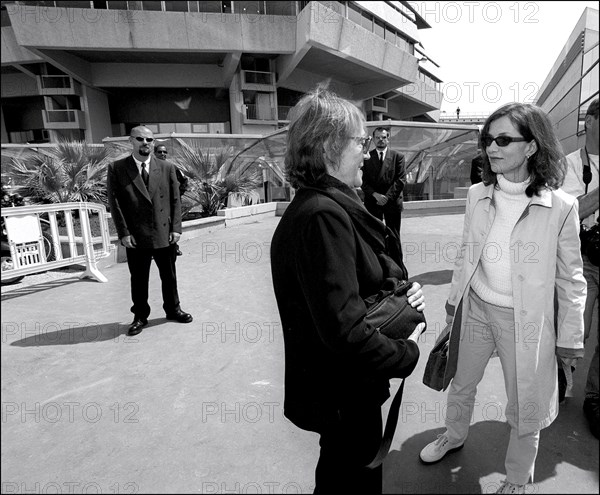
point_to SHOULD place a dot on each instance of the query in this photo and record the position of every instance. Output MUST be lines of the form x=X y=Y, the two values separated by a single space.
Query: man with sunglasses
x=384 y=176
x=143 y=194
x=160 y=150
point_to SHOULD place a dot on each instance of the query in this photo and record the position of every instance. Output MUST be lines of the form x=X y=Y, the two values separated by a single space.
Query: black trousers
x=139 y=261
x=346 y=448
x=391 y=212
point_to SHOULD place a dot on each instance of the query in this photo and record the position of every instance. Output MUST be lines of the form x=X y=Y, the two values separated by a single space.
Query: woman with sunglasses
x=328 y=254
x=520 y=248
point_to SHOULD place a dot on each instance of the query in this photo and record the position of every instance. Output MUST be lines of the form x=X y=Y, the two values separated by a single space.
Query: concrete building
x=94 y=69
x=573 y=82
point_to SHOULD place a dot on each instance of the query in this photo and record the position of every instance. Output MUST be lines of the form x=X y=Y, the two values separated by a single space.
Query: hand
x=417 y=332
x=381 y=199
x=449 y=319
x=128 y=241
x=415 y=297
x=174 y=237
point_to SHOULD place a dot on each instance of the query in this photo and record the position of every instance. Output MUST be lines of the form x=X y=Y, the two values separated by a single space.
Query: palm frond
x=69 y=171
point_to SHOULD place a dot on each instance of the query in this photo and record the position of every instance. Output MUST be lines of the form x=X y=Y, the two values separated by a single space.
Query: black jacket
x=388 y=179
x=147 y=214
x=324 y=265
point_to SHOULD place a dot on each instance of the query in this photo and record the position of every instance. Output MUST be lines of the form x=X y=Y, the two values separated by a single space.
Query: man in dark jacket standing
x=384 y=176
x=143 y=195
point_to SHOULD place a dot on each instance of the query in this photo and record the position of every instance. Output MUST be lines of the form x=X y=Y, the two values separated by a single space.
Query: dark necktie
x=381 y=158
x=145 y=175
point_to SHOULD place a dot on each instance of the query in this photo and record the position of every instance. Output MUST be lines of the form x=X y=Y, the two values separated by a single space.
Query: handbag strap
x=390 y=429
x=587 y=170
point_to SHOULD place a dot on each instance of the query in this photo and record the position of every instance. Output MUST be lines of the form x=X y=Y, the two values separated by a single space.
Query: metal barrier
x=36 y=244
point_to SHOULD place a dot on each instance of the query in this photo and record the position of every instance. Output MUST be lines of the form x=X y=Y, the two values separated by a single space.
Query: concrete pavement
x=197 y=408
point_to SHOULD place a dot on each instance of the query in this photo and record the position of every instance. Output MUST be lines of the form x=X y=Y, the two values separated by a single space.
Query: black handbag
x=389 y=312
x=435 y=368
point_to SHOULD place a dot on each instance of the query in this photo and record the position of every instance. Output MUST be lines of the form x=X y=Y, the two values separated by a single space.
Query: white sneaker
x=436 y=451
x=508 y=487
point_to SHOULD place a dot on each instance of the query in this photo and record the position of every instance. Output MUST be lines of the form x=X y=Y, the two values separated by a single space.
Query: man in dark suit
x=143 y=194
x=161 y=152
x=384 y=176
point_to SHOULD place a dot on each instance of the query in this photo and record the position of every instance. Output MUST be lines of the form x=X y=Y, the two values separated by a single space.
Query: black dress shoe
x=136 y=326
x=180 y=316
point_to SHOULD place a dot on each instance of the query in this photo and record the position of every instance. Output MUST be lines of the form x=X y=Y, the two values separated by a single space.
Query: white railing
x=27 y=234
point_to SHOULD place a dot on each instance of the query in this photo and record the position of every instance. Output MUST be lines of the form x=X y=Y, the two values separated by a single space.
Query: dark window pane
x=354 y=14
x=378 y=28
x=390 y=35
x=176 y=6
x=367 y=21
x=249 y=7
x=281 y=8
x=74 y=5
x=41 y=4
x=152 y=5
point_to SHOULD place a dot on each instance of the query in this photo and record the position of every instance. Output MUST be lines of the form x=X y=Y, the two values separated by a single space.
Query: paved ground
x=197 y=408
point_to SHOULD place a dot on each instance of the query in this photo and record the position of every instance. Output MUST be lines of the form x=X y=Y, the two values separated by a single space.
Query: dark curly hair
x=547 y=166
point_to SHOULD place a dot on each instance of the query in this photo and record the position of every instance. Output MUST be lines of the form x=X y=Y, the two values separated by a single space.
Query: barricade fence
x=36 y=243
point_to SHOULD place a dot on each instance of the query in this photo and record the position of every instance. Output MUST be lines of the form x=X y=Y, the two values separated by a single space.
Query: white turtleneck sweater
x=492 y=278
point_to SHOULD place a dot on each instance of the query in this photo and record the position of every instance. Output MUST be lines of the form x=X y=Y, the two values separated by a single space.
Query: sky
x=492 y=53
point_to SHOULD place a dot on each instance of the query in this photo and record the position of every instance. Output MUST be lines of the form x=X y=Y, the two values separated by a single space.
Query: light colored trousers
x=488 y=328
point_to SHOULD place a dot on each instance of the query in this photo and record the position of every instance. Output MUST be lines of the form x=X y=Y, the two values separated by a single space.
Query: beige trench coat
x=545 y=260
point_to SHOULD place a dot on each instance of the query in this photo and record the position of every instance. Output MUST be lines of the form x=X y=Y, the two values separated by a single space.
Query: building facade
x=573 y=82
x=94 y=69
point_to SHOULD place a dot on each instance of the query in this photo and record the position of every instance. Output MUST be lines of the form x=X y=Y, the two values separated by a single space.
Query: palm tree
x=211 y=177
x=70 y=171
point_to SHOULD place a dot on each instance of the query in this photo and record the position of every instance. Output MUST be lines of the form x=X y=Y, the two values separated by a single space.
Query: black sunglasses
x=501 y=141
x=142 y=139
x=162 y=152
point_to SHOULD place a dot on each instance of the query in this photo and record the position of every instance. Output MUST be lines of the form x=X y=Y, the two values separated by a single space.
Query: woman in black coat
x=327 y=255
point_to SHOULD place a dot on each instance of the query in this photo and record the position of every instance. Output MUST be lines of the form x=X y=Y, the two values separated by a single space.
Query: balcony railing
x=58 y=85
x=258 y=80
x=259 y=112
x=64 y=119
x=258 y=77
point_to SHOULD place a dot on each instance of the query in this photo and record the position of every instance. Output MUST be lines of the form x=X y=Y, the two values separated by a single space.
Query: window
x=74 y=5
x=249 y=7
x=354 y=13
x=151 y=5
x=401 y=43
x=215 y=7
x=367 y=21
x=589 y=84
x=378 y=28
x=177 y=6
x=390 y=35
x=590 y=58
x=281 y=8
